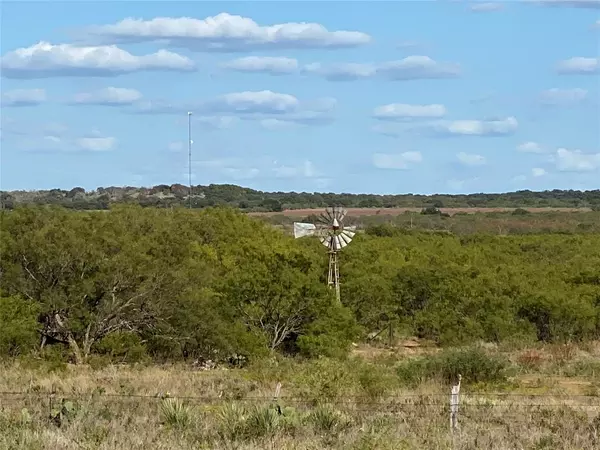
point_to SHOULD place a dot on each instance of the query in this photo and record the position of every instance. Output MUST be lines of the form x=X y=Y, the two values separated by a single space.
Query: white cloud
x=497 y=127
x=255 y=102
x=538 y=172
x=276 y=124
x=226 y=32
x=252 y=105
x=563 y=97
x=396 y=161
x=530 y=147
x=470 y=159
x=341 y=71
x=576 y=161
x=263 y=64
x=400 y=111
x=54 y=142
x=241 y=173
x=304 y=170
x=232 y=168
x=47 y=60
x=579 y=66
x=96 y=144
x=409 y=68
x=23 y=97
x=592 y=4
x=110 y=96
x=418 y=67
x=486 y=6
x=215 y=122
x=176 y=146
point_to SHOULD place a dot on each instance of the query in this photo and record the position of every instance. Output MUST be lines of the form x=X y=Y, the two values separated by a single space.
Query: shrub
x=325 y=419
x=18 y=322
x=473 y=364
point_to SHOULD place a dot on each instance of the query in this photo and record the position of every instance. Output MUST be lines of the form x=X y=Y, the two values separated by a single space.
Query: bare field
x=397 y=211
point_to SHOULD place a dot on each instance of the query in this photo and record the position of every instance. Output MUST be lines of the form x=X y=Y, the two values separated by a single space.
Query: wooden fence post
x=454 y=401
x=276 y=398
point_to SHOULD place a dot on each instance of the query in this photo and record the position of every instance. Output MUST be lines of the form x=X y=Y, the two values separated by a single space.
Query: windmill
x=333 y=235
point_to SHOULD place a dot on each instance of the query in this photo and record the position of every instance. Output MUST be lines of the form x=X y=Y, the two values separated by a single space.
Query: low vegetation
x=170 y=328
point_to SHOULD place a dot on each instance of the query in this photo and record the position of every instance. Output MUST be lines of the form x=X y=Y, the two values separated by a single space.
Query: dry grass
x=108 y=423
x=322 y=406
x=356 y=212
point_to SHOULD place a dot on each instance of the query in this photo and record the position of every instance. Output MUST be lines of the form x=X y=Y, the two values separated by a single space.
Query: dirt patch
x=398 y=211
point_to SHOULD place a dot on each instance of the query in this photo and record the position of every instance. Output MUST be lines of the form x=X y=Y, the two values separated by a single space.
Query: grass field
x=549 y=400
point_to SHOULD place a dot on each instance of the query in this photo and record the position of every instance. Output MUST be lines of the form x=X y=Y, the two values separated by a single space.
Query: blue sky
x=378 y=97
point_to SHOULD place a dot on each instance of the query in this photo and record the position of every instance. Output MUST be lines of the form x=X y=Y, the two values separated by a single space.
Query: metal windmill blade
x=332 y=233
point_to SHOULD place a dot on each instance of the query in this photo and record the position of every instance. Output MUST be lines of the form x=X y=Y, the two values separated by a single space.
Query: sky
x=393 y=97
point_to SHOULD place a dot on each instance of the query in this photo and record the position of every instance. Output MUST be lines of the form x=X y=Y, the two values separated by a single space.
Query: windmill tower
x=333 y=235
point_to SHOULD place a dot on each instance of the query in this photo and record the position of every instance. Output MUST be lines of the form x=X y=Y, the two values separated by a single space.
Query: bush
x=18 y=322
x=122 y=347
x=473 y=364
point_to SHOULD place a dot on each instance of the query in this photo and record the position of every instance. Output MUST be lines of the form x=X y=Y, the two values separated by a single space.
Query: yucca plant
x=174 y=413
x=263 y=421
x=232 y=421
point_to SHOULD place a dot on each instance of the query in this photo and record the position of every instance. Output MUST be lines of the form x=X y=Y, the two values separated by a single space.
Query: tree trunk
x=72 y=343
x=76 y=350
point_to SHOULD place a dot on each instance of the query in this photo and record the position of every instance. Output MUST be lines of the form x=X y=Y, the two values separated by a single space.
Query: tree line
x=215 y=284
x=253 y=200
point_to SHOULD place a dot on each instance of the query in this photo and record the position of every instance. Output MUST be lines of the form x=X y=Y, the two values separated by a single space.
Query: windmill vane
x=333 y=234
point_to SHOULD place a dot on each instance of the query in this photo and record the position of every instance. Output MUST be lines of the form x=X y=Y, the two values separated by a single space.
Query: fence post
x=276 y=397
x=454 y=401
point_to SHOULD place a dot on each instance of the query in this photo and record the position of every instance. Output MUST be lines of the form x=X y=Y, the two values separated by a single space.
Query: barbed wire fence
x=471 y=404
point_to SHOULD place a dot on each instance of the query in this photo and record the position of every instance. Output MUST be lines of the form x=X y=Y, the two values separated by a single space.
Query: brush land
x=170 y=328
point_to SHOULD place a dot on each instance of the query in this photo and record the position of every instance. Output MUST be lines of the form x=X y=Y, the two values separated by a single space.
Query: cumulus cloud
x=486 y=6
x=110 y=96
x=47 y=60
x=341 y=71
x=47 y=142
x=538 y=172
x=96 y=144
x=579 y=65
x=401 y=111
x=399 y=161
x=226 y=33
x=483 y=128
x=470 y=159
x=563 y=97
x=215 y=122
x=530 y=147
x=263 y=64
x=23 y=97
x=252 y=105
x=576 y=161
x=252 y=102
x=409 y=68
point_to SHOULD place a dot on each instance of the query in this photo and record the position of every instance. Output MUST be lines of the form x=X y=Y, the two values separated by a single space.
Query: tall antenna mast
x=190 y=158
x=333 y=235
